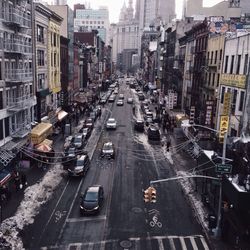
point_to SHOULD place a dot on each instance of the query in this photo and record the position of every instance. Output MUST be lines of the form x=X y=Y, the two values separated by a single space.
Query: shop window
x=232 y=65
x=235 y=92
x=41 y=81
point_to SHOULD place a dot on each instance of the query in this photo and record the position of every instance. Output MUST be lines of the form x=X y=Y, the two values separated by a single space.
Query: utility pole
x=217 y=231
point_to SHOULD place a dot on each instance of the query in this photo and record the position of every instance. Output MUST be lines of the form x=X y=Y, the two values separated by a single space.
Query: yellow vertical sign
x=224 y=122
x=226 y=104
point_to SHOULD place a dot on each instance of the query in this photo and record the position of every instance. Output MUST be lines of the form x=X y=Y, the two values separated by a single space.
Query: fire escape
x=17 y=49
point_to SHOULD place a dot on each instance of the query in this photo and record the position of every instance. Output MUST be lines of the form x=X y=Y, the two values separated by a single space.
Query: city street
x=125 y=220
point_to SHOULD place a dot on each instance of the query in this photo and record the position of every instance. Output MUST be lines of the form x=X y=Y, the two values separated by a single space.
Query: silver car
x=111 y=123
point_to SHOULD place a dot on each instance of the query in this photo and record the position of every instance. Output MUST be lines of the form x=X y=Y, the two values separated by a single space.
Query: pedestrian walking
x=24 y=181
x=17 y=181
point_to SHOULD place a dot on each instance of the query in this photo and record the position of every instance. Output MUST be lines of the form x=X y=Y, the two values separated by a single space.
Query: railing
x=20 y=102
x=21 y=130
x=17 y=46
x=18 y=75
x=18 y=17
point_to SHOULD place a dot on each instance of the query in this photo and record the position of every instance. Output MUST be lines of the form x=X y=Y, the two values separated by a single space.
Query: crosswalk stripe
x=75 y=246
x=204 y=244
x=102 y=246
x=183 y=244
x=194 y=245
x=100 y=217
x=161 y=247
x=171 y=242
x=91 y=246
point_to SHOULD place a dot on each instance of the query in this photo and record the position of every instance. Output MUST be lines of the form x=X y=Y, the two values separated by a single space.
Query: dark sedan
x=92 y=200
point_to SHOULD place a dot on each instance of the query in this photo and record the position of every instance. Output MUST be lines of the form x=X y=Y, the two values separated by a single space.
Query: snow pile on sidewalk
x=34 y=197
x=187 y=186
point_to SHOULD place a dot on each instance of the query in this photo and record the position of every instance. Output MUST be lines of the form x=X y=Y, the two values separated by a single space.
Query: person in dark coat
x=24 y=180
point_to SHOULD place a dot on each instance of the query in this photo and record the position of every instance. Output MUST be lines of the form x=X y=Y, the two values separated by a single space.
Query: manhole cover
x=136 y=210
x=126 y=244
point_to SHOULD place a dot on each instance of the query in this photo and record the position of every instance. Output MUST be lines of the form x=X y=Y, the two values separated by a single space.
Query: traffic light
x=150 y=195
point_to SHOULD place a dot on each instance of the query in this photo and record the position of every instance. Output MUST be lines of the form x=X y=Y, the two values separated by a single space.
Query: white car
x=130 y=100
x=111 y=123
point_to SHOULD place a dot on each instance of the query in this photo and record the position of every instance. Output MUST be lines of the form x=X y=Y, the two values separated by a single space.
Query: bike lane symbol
x=155 y=219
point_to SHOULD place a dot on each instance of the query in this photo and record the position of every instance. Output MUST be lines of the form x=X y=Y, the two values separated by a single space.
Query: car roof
x=82 y=157
x=109 y=143
x=111 y=119
x=93 y=188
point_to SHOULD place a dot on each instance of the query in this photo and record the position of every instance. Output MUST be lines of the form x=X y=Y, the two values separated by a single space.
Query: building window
x=242 y=97
x=213 y=81
x=222 y=94
x=1 y=129
x=41 y=81
x=209 y=78
x=218 y=80
x=54 y=59
x=220 y=55
x=40 y=57
x=235 y=92
x=232 y=65
x=212 y=56
x=215 y=58
x=208 y=57
x=55 y=39
x=1 y=99
x=245 y=64
x=226 y=64
x=7 y=126
x=238 y=65
x=40 y=34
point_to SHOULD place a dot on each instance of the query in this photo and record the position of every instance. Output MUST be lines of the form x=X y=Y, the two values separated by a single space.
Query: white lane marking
x=171 y=242
x=183 y=244
x=100 y=217
x=72 y=204
x=137 y=243
x=192 y=240
x=53 y=212
x=204 y=243
x=161 y=247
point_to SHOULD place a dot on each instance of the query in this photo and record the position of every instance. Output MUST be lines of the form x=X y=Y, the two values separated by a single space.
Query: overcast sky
x=115 y=6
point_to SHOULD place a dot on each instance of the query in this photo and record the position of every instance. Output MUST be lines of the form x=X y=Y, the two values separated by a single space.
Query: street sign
x=223 y=168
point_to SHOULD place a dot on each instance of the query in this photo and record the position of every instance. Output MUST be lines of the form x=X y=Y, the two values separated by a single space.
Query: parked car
x=141 y=97
x=70 y=156
x=93 y=115
x=81 y=166
x=68 y=142
x=154 y=133
x=112 y=98
x=116 y=91
x=108 y=150
x=121 y=96
x=86 y=132
x=92 y=200
x=89 y=123
x=130 y=100
x=139 y=125
x=78 y=141
x=103 y=100
x=119 y=102
x=111 y=123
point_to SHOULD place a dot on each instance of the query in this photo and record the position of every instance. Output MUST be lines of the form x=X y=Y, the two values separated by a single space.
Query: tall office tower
x=93 y=19
x=153 y=12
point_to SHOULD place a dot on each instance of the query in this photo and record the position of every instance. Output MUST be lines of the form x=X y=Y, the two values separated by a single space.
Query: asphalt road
x=125 y=221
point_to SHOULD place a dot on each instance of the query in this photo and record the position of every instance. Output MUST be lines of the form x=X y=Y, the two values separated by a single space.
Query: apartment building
x=233 y=83
x=17 y=92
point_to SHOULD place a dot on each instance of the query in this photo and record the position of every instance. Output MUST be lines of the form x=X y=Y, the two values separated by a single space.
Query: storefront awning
x=61 y=115
x=40 y=132
x=4 y=176
x=44 y=147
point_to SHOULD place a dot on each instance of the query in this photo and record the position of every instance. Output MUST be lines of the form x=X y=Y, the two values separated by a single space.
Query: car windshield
x=79 y=163
x=111 y=120
x=91 y=196
x=77 y=139
x=107 y=146
x=71 y=151
x=89 y=121
x=85 y=131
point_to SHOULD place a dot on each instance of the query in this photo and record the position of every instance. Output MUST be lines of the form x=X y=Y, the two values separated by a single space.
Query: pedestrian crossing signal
x=149 y=195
